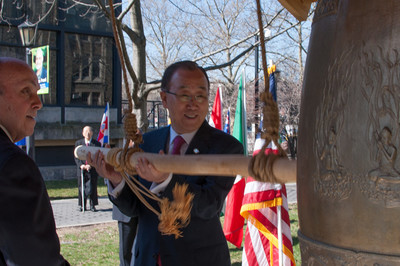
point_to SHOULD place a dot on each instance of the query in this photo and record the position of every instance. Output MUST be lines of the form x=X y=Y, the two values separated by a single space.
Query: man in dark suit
x=89 y=173
x=185 y=89
x=127 y=227
x=27 y=228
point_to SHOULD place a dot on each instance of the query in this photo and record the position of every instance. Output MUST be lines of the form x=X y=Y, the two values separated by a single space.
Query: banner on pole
x=40 y=65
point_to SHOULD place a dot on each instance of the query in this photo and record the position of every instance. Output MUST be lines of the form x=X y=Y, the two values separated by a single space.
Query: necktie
x=87 y=144
x=178 y=141
x=176 y=149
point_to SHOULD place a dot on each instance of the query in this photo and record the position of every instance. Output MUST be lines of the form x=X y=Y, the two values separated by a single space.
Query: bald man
x=27 y=228
x=90 y=175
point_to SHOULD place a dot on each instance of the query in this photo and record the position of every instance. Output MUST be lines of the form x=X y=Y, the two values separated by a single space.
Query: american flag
x=261 y=204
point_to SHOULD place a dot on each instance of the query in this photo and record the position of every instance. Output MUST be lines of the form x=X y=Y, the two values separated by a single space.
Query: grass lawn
x=90 y=245
x=68 y=189
x=98 y=244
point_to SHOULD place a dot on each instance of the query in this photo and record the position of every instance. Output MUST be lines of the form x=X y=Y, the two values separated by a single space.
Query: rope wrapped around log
x=199 y=164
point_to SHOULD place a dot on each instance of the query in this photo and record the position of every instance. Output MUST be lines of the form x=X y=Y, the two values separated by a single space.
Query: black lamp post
x=267 y=34
x=27 y=31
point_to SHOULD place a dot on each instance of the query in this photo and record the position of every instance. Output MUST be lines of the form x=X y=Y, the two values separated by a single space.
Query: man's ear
x=163 y=97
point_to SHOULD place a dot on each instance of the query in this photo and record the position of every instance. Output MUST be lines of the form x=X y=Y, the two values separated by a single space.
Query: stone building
x=84 y=74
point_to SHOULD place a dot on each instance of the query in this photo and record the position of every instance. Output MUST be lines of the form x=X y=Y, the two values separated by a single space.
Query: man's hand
x=85 y=167
x=148 y=172
x=104 y=169
x=285 y=146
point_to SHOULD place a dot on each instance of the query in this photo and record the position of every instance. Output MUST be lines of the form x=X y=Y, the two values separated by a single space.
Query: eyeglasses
x=186 y=98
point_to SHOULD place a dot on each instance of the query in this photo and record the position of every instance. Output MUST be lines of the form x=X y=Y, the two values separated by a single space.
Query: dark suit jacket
x=119 y=216
x=93 y=143
x=27 y=229
x=203 y=241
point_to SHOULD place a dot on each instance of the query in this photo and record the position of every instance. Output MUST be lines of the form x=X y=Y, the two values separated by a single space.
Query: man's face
x=87 y=133
x=39 y=59
x=19 y=101
x=186 y=116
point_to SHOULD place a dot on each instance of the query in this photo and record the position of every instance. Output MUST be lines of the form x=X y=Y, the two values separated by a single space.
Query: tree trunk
x=139 y=67
x=140 y=110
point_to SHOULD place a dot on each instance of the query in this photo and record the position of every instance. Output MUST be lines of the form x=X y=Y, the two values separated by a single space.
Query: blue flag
x=227 y=126
x=272 y=85
x=22 y=142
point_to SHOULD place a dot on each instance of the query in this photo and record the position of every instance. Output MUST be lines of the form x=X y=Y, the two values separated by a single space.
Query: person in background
x=41 y=71
x=27 y=228
x=185 y=89
x=89 y=173
x=285 y=146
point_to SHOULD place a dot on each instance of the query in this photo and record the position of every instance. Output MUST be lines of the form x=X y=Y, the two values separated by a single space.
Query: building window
x=88 y=74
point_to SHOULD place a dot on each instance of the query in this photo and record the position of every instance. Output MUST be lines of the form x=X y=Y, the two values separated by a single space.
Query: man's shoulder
x=79 y=142
x=218 y=141
x=221 y=135
x=10 y=151
x=7 y=147
x=156 y=133
x=155 y=140
x=96 y=143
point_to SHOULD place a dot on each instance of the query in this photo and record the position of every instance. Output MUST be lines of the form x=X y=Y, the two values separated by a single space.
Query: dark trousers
x=90 y=189
x=127 y=233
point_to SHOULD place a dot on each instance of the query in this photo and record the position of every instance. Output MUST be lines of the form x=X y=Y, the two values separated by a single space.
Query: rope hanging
x=260 y=166
x=173 y=215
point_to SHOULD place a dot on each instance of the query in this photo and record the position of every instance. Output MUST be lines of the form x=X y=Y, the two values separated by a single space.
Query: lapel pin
x=196 y=151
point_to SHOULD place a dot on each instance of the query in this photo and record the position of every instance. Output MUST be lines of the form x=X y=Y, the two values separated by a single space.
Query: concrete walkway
x=67 y=214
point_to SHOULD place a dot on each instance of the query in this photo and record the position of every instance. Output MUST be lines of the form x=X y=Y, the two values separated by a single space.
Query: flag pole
x=279 y=214
x=222 y=109
x=108 y=123
x=279 y=207
x=244 y=115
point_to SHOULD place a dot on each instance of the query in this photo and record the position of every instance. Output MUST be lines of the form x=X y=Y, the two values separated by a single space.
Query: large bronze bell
x=349 y=136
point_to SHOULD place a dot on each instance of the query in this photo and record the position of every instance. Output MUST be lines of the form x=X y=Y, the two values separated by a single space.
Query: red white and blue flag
x=104 y=132
x=268 y=239
x=260 y=206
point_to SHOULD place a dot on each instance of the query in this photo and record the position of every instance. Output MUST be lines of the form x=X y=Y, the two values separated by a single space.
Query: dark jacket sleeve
x=27 y=227
x=78 y=162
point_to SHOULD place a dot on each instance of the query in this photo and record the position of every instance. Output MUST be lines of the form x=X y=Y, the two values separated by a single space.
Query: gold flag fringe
x=175 y=215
